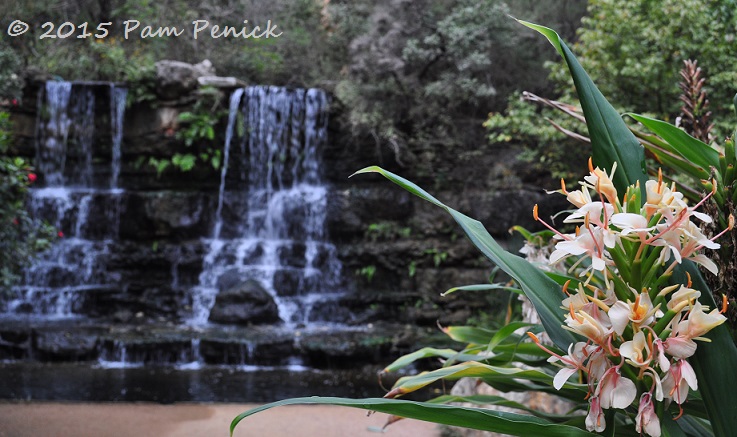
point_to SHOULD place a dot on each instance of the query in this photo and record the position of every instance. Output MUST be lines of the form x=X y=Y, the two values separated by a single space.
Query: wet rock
x=175 y=78
x=351 y=210
x=165 y=214
x=65 y=346
x=243 y=304
x=273 y=352
x=15 y=344
x=220 y=81
x=288 y=282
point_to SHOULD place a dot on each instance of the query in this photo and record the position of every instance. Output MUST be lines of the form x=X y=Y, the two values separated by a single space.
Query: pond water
x=95 y=383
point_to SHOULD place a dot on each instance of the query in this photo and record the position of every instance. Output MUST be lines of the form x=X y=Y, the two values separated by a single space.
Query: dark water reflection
x=79 y=382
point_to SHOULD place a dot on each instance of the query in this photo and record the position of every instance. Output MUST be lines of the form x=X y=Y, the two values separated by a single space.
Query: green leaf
x=483 y=287
x=474 y=418
x=670 y=427
x=685 y=145
x=426 y=352
x=486 y=400
x=469 y=334
x=474 y=369
x=694 y=427
x=714 y=362
x=611 y=139
x=542 y=291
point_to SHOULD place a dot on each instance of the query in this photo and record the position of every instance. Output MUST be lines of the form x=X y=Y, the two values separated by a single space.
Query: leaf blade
x=544 y=293
x=611 y=139
x=475 y=418
x=685 y=145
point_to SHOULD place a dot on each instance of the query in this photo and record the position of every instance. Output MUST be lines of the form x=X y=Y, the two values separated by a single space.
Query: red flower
x=15 y=221
x=60 y=234
x=32 y=177
x=14 y=102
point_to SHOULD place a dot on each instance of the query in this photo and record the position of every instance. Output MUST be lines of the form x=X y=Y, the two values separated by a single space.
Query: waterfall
x=117 y=112
x=51 y=144
x=279 y=201
x=55 y=284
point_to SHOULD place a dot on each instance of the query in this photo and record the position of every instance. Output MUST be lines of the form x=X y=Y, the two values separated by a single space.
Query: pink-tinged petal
x=610 y=239
x=699 y=322
x=583 y=323
x=701 y=216
x=598 y=364
x=579 y=198
x=578 y=300
x=595 y=418
x=658 y=386
x=598 y=263
x=629 y=220
x=647 y=420
x=705 y=262
x=636 y=351
x=684 y=294
x=680 y=347
x=625 y=394
x=677 y=381
x=570 y=247
x=619 y=314
x=562 y=376
x=614 y=391
x=663 y=361
x=557 y=255
x=688 y=374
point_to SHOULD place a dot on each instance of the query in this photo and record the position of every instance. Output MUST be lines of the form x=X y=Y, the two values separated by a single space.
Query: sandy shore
x=184 y=420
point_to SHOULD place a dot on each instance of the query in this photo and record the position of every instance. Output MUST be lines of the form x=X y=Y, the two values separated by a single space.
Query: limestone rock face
x=175 y=78
x=243 y=304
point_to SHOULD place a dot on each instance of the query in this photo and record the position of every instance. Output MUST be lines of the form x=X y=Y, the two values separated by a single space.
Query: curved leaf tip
x=369 y=169
x=549 y=33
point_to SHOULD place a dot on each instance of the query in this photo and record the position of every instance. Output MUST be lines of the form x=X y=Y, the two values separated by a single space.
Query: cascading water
x=281 y=202
x=65 y=136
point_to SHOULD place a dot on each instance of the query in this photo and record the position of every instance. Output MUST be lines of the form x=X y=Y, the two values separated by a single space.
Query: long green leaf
x=426 y=352
x=474 y=418
x=474 y=369
x=611 y=139
x=688 y=147
x=542 y=291
x=469 y=334
x=715 y=363
x=482 y=287
x=485 y=400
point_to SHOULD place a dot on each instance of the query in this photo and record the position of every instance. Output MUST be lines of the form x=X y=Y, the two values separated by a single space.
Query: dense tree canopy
x=633 y=50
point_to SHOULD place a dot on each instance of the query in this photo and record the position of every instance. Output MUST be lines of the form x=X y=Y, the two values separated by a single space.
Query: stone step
x=167 y=345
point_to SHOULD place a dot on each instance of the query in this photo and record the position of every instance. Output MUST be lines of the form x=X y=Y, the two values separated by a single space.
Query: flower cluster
x=638 y=330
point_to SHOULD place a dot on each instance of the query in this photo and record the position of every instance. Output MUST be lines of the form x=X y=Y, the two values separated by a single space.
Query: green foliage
x=438 y=256
x=11 y=81
x=197 y=126
x=21 y=236
x=367 y=272
x=422 y=75
x=197 y=132
x=298 y=56
x=386 y=231
x=544 y=146
x=634 y=51
x=415 y=66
